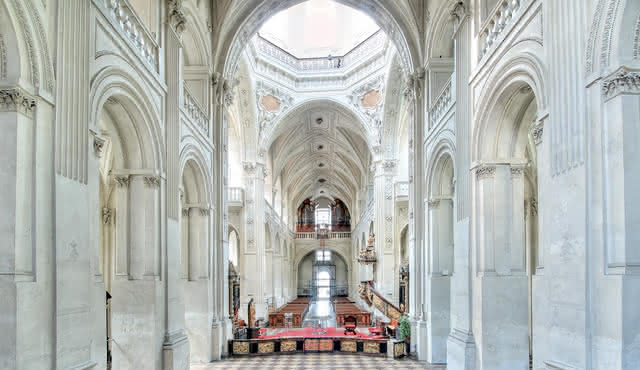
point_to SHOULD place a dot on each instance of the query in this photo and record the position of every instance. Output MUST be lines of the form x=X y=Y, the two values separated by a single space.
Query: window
x=323 y=256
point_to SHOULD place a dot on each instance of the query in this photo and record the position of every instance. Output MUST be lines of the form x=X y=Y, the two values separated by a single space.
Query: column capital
x=458 y=13
x=485 y=171
x=414 y=83
x=17 y=100
x=121 y=181
x=177 y=19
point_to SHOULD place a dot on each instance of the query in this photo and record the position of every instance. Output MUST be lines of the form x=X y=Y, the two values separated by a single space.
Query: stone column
x=502 y=325
x=414 y=93
x=438 y=292
x=253 y=286
x=461 y=343
x=383 y=226
x=20 y=306
x=176 y=346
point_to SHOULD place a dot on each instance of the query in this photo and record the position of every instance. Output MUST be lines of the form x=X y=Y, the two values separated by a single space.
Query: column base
x=421 y=340
x=461 y=351
x=216 y=340
x=176 y=351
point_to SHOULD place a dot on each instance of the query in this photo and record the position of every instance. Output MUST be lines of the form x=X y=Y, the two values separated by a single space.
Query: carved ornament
x=622 y=82
x=17 y=100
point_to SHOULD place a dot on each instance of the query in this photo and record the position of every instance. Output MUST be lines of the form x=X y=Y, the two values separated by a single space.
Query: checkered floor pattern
x=333 y=361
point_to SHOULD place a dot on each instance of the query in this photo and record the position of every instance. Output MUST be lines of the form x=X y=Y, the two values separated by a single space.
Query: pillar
x=254 y=284
x=175 y=345
x=383 y=226
x=501 y=327
x=461 y=343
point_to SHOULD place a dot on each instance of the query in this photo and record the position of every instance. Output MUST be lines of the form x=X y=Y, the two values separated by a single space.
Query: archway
x=316 y=261
x=129 y=194
x=195 y=257
x=441 y=221
x=506 y=224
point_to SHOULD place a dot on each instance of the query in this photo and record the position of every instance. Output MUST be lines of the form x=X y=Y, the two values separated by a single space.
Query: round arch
x=518 y=73
x=115 y=84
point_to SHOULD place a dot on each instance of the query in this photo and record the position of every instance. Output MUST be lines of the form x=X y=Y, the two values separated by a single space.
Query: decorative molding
x=152 y=181
x=108 y=215
x=17 y=100
x=177 y=19
x=185 y=211
x=121 y=181
x=414 y=84
x=516 y=171
x=373 y=115
x=485 y=171
x=98 y=145
x=267 y=118
x=433 y=203
x=204 y=211
x=536 y=133
x=621 y=82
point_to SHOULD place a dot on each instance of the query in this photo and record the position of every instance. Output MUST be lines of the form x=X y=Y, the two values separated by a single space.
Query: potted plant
x=404 y=333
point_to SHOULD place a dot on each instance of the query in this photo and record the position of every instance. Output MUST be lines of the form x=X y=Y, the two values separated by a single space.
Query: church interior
x=240 y=184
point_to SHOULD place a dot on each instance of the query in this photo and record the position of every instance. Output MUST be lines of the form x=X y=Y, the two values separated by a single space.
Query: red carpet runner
x=320 y=333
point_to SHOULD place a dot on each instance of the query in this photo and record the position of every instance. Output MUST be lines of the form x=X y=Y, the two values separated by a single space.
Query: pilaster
x=461 y=344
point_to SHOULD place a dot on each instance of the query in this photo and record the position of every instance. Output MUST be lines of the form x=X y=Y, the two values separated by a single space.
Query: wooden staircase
x=372 y=297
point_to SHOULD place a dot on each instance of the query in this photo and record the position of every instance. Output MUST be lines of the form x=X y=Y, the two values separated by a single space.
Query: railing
x=366 y=47
x=235 y=196
x=126 y=19
x=495 y=24
x=306 y=235
x=195 y=113
x=374 y=298
x=442 y=105
x=402 y=189
x=330 y=235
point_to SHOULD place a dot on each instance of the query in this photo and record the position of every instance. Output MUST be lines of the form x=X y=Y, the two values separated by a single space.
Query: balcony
x=235 y=197
x=441 y=106
x=195 y=113
x=124 y=18
x=329 y=235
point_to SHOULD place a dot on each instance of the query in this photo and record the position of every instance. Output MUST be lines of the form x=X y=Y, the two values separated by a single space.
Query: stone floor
x=332 y=361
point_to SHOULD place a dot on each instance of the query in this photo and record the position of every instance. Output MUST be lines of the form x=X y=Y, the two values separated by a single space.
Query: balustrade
x=195 y=113
x=235 y=196
x=501 y=17
x=127 y=21
x=441 y=106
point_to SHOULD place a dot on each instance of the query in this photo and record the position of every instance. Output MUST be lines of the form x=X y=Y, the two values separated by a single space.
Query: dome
x=318 y=28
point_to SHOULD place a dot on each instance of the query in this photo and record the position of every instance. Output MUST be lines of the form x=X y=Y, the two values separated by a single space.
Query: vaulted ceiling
x=319 y=149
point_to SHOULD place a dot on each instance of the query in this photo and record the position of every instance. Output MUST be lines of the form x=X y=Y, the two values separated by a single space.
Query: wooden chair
x=350 y=323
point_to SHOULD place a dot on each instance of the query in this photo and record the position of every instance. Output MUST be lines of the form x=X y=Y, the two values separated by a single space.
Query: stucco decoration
x=272 y=103
x=368 y=100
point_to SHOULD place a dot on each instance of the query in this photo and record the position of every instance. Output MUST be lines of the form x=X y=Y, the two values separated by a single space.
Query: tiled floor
x=333 y=361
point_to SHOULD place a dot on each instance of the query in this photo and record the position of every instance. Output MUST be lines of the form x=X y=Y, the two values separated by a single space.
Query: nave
x=184 y=182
